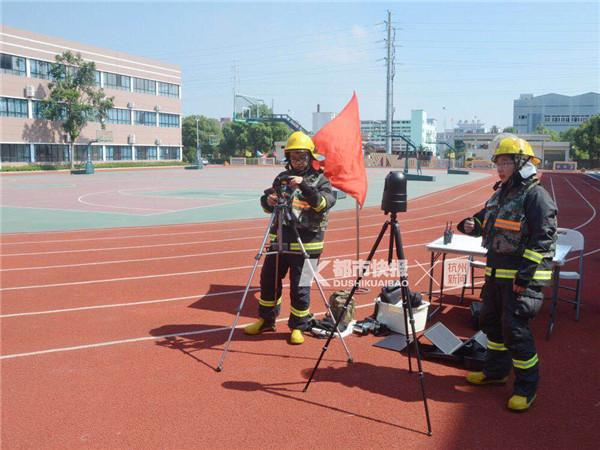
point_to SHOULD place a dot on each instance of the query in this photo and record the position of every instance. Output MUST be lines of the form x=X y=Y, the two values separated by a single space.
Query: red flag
x=341 y=144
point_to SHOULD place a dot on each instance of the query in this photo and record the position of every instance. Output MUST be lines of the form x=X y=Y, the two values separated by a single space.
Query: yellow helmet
x=509 y=144
x=300 y=141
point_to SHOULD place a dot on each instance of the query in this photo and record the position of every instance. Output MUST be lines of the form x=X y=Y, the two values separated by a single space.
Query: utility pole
x=234 y=69
x=389 y=106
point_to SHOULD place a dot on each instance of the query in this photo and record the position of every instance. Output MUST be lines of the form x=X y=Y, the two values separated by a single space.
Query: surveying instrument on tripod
x=298 y=202
x=394 y=201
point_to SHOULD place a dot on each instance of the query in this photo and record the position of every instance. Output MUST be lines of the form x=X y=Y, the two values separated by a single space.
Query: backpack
x=336 y=304
x=323 y=328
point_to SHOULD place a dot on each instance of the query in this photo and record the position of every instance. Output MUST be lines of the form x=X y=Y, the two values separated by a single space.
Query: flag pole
x=360 y=290
x=357 y=232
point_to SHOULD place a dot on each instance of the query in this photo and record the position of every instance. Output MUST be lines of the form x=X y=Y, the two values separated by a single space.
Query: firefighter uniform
x=304 y=216
x=518 y=227
x=310 y=204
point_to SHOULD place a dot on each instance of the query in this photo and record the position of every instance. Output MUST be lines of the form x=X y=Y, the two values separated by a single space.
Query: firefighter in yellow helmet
x=309 y=195
x=518 y=226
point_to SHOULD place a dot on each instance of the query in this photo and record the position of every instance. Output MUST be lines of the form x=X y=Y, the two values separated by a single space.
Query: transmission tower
x=391 y=72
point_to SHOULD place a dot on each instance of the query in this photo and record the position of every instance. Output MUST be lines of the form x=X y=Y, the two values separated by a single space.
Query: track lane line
x=332 y=220
x=587 y=201
x=214 y=241
x=165 y=336
x=195 y=272
x=173 y=299
x=190 y=255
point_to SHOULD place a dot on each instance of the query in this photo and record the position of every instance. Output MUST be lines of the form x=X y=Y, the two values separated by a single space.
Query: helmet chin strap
x=300 y=172
x=524 y=168
x=527 y=169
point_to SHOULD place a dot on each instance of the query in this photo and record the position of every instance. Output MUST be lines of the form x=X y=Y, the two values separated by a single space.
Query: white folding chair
x=576 y=240
x=473 y=264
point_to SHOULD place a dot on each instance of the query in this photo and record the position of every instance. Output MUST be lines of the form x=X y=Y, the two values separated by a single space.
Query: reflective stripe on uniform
x=321 y=206
x=269 y=303
x=300 y=313
x=505 y=273
x=300 y=204
x=273 y=236
x=478 y=221
x=542 y=275
x=533 y=256
x=499 y=347
x=510 y=273
x=307 y=246
x=520 y=364
x=507 y=224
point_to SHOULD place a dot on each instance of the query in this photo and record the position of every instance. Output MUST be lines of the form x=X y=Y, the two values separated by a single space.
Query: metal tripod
x=281 y=213
x=395 y=241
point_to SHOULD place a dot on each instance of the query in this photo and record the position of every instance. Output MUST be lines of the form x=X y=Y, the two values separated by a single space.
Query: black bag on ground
x=393 y=295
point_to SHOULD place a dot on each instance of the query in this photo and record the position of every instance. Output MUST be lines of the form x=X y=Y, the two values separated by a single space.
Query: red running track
x=110 y=338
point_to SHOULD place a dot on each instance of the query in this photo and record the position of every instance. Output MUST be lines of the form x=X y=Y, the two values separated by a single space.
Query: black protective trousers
x=270 y=295
x=505 y=319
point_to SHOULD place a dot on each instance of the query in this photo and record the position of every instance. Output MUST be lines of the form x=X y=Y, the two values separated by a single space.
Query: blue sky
x=471 y=58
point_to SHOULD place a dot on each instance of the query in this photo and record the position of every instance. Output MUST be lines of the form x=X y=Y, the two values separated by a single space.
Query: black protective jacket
x=308 y=207
x=518 y=226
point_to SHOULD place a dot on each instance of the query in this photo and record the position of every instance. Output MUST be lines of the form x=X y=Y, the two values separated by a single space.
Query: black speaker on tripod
x=394 y=200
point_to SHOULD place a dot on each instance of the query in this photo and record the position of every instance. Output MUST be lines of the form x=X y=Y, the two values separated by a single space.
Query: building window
x=15 y=65
x=81 y=152
x=98 y=76
x=168 y=120
x=523 y=116
x=15 y=153
x=144 y=86
x=115 y=81
x=147 y=153
x=146 y=118
x=169 y=153
x=51 y=153
x=118 y=153
x=13 y=107
x=119 y=116
x=579 y=118
x=168 y=89
x=37 y=110
x=40 y=69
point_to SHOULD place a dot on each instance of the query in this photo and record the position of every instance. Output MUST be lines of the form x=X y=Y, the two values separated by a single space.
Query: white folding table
x=462 y=244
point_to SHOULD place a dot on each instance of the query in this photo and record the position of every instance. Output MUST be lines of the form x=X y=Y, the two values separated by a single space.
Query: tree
x=460 y=146
x=241 y=138
x=74 y=98
x=260 y=110
x=541 y=129
x=209 y=135
x=510 y=130
x=568 y=135
x=235 y=139
x=260 y=138
x=586 y=139
x=279 y=131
